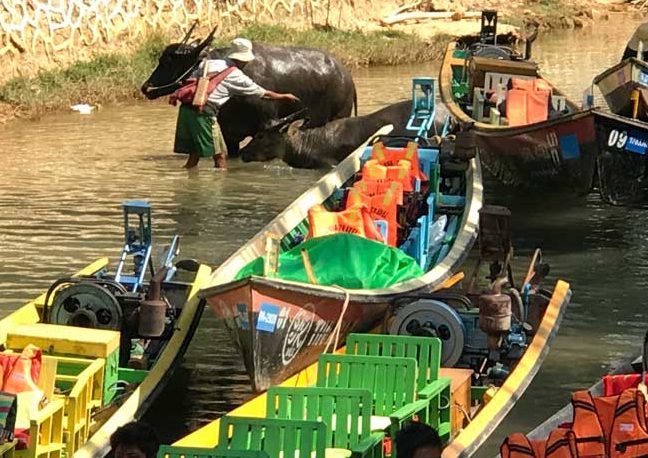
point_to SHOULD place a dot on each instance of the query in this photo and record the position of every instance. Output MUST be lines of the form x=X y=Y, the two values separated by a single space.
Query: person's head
x=134 y=440
x=418 y=440
x=240 y=52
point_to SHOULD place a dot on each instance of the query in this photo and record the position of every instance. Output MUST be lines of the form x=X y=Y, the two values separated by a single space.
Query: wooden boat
x=625 y=88
x=622 y=166
x=92 y=380
x=626 y=375
x=301 y=317
x=556 y=153
x=482 y=398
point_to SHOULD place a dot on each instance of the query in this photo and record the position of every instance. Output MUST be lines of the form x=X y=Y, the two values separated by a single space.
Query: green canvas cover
x=345 y=260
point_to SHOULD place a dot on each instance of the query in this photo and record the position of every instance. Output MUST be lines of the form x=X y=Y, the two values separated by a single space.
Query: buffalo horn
x=290 y=118
x=207 y=40
x=188 y=35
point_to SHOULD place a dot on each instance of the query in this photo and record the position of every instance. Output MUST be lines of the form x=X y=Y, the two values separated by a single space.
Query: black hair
x=136 y=434
x=414 y=436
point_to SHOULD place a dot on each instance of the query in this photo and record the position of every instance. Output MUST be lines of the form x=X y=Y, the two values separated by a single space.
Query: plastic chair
x=169 y=451
x=278 y=438
x=427 y=353
x=392 y=381
x=346 y=411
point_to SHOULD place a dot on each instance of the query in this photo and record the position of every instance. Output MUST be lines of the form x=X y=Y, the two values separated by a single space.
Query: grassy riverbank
x=116 y=77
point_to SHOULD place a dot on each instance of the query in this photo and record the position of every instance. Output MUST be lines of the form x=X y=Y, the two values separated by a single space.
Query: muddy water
x=62 y=180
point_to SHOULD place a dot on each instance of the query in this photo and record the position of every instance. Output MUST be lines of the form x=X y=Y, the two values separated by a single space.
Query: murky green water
x=62 y=180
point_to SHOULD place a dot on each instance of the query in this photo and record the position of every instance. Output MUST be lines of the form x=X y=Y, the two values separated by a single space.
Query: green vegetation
x=115 y=77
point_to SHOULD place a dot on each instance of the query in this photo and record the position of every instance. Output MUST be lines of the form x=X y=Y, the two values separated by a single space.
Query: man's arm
x=279 y=96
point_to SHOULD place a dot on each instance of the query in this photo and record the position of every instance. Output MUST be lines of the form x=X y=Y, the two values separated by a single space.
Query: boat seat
x=72 y=341
x=497 y=81
x=170 y=451
x=479 y=66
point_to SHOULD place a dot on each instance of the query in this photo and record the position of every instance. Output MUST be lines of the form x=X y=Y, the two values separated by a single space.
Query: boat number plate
x=617 y=139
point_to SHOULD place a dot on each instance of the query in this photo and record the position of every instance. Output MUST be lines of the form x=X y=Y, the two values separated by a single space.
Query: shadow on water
x=64 y=177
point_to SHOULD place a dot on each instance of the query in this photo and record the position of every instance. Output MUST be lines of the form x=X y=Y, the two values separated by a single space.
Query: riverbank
x=116 y=77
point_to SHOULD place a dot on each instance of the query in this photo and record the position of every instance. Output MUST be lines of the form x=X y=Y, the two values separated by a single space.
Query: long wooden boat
x=480 y=403
x=622 y=163
x=281 y=326
x=557 y=154
x=627 y=375
x=93 y=379
x=619 y=82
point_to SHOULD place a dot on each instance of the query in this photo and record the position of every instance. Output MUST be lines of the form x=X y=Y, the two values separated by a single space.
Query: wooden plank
x=461 y=397
x=47 y=377
x=98 y=343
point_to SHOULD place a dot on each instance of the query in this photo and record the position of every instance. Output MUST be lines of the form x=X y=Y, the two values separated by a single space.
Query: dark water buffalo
x=324 y=86
x=323 y=146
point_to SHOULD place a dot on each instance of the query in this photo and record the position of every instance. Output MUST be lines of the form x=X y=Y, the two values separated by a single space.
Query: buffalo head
x=275 y=140
x=175 y=65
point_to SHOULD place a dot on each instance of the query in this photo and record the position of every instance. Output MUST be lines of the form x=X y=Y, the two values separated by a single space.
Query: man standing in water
x=639 y=36
x=197 y=132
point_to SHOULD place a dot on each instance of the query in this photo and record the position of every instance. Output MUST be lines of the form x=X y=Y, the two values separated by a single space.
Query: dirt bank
x=115 y=77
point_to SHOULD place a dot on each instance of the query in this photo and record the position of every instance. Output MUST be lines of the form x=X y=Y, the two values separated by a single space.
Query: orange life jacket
x=527 y=102
x=591 y=423
x=391 y=156
x=560 y=444
x=401 y=173
x=374 y=187
x=382 y=206
x=617 y=383
x=355 y=220
x=629 y=436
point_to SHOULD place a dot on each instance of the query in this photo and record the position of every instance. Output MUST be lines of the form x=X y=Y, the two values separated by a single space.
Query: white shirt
x=236 y=83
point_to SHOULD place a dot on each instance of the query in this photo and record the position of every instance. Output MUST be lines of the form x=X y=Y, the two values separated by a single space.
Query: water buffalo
x=323 y=146
x=324 y=85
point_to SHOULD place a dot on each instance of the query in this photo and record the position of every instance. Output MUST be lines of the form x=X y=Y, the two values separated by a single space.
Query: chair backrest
x=278 y=438
x=169 y=451
x=425 y=350
x=493 y=79
x=346 y=411
x=392 y=381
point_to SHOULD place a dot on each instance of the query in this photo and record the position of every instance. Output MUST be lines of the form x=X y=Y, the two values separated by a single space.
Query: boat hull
x=281 y=330
x=618 y=82
x=623 y=160
x=559 y=154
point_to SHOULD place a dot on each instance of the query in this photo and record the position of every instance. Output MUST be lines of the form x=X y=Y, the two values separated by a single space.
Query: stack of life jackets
x=386 y=176
x=606 y=426
x=527 y=101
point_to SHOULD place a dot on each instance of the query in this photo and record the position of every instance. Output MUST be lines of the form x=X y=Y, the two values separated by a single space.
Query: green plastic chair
x=427 y=353
x=169 y=451
x=346 y=412
x=279 y=438
x=391 y=380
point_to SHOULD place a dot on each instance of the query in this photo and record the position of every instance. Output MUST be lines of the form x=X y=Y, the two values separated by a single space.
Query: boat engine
x=120 y=302
x=464 y=340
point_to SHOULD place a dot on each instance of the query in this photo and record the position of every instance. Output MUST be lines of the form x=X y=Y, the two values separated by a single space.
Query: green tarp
x=345 y=260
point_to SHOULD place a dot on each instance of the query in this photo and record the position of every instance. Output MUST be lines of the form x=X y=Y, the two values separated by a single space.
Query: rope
x=338 y=325
x=178 y=80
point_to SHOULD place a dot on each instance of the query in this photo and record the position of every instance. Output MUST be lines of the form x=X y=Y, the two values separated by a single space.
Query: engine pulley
x=86 y=305
x=432 y=318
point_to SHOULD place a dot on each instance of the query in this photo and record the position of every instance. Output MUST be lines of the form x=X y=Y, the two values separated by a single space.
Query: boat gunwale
x=492 y=414
x=631 y=61
x=619 y=118
x=457 y=254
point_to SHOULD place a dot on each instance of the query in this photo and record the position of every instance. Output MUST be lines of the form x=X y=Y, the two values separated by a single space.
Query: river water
x=63 y=179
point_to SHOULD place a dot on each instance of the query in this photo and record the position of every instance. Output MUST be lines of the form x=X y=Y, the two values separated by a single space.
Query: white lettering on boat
x=297 y=333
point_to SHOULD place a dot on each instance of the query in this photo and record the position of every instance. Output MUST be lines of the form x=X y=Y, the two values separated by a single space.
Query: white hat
x=241 y=49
